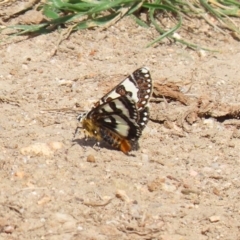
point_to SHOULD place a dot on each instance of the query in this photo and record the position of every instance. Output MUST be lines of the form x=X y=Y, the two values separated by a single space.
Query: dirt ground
x=184 y=181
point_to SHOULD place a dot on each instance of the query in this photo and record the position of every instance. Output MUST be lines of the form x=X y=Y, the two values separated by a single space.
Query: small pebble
x=19 y=174
x=209 y=122
x=37 y=149
x=55 y=145
x=193 y=173
x=63 y=218
x=156 y=184
x=123 y=196
x=91 y=158
x=214 y=218
x=44 y=200
x=8 y=229
x=202 y=53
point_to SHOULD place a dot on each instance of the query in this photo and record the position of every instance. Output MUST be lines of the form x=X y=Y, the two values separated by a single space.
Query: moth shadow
x=93 y=143
x=85 y=143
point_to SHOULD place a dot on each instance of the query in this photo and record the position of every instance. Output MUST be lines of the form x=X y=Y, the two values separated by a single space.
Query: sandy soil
x=183 y=182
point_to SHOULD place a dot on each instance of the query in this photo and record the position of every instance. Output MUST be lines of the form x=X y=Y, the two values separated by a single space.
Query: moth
x=120 y=116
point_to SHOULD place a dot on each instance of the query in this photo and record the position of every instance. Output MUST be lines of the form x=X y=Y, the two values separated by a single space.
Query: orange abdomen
x=125 y=146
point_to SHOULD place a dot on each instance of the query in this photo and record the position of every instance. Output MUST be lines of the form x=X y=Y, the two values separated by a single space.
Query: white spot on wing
x=108 y=120
x=145 y=70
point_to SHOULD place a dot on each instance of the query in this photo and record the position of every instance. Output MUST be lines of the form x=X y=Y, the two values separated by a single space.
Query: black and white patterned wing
x=118 y=115
x=115 y=122
x=137 y=85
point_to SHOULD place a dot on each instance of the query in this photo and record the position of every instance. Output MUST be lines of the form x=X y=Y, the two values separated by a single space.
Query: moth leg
x=79 y=126
x=97 y=146
x=75 y=133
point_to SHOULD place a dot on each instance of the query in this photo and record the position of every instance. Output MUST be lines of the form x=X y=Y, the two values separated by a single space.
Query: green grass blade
x=50 y=13
x=83 y=14
x=97 y=22
x=166 y=34
x=28 y=28
x=154 y=6
x=139 y=21
x=135 y=7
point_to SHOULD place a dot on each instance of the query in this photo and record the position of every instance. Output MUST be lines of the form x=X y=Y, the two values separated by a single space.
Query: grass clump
x=77 y=15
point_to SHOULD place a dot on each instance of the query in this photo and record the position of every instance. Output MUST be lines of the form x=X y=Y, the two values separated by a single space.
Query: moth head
x=90 y=128
x=85 y=124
